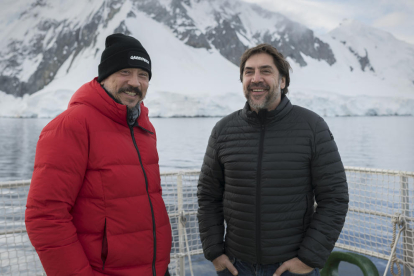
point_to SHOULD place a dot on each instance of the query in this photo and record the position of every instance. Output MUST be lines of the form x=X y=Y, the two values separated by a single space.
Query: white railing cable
x=379 y=201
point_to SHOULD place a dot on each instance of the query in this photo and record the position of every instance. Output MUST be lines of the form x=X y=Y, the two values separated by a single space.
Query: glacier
x=372 y=73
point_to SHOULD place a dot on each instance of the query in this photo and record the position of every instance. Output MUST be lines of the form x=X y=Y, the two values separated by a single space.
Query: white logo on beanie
x=139 y=58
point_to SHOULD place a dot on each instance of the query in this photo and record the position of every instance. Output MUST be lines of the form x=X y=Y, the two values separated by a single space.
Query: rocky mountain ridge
x=48 y=43
x=50 y=48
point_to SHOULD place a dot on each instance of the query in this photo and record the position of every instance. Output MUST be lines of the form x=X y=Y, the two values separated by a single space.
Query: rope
x=397 y=219
x=394 y=255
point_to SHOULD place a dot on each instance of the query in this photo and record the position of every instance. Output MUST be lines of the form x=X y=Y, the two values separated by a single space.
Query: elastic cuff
x=300 y=259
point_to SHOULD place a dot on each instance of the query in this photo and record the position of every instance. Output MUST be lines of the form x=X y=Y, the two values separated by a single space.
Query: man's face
x=261 y=82
x=129 y=86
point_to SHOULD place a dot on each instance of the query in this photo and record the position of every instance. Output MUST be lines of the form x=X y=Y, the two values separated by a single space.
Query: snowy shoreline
x=216 y=116
x=50 y=102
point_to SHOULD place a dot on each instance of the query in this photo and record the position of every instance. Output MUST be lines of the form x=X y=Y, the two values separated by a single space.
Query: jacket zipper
x=258 y=184
x=104 y=253
x=149 y=199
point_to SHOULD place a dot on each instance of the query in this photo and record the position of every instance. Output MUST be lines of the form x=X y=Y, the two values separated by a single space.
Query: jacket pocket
x=305 y=215
x=309 y=210
x=104 y=252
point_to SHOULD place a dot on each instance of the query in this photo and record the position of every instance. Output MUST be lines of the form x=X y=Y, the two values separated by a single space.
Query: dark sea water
x=373 y=142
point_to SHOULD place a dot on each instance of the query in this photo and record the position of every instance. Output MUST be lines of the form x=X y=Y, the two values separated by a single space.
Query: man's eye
x=124 y=72
x=144 y=76
x=249 y=72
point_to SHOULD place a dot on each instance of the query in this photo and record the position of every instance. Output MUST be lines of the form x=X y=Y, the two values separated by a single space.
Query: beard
x=270 y=97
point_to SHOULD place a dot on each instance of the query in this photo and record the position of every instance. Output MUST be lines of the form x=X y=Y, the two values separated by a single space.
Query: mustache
x=131 y=89
x=258 y=85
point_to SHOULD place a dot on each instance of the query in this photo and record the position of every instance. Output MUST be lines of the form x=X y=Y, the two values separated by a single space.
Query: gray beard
x=272 y=96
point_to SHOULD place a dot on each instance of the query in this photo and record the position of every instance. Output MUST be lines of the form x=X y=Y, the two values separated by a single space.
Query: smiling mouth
x=130 y=93
x=259 y=91
x=258 y=88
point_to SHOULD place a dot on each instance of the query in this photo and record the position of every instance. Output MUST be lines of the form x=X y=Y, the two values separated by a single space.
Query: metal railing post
x=407 y=235
x=181 y=261
x=402 y=203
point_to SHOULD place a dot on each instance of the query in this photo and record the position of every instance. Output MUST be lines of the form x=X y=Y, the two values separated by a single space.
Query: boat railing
x=379 y=223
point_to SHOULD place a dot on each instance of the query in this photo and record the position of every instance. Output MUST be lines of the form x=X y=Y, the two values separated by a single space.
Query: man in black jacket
x=264 y=168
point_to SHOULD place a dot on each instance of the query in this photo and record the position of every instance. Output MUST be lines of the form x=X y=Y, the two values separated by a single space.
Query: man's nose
x=134 y=81
x=257 y=77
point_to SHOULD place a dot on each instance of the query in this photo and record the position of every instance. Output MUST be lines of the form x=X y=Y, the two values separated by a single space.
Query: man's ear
x=283 y=83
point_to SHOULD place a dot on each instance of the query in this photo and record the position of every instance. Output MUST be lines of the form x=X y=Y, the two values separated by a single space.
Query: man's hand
x=222 y=262
x=295 y=266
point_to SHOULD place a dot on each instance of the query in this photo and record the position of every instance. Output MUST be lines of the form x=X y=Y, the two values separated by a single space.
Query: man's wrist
x=305 y=262
x=215 y=255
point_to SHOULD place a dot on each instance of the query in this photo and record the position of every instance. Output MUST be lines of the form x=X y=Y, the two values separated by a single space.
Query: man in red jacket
x=95 y=203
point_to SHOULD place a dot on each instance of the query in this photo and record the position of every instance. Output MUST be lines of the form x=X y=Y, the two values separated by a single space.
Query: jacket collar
x=265 y=116
x=92 y=94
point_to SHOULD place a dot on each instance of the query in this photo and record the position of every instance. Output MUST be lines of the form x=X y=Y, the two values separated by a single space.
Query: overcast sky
x=393 y=16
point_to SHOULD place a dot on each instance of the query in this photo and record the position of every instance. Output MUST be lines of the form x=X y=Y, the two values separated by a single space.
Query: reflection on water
x=18 y=138
x=374 y=142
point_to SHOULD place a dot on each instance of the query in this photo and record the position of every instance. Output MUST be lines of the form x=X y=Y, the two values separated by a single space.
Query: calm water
x=375 y=142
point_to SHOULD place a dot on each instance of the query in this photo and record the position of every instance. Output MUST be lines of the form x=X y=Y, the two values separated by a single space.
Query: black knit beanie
x=122 y=51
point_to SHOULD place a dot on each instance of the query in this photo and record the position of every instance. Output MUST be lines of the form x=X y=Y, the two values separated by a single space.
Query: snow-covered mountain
x=50 y=48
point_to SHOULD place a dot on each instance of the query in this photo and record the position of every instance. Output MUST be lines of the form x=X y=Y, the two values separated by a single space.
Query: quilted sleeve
x=331 y=194
x=210 y=202
x=60 y=164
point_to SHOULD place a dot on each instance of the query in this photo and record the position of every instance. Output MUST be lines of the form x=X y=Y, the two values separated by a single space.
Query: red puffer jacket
x=94 y=205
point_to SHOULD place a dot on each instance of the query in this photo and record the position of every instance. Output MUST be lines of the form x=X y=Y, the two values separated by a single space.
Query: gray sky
x=393 y=16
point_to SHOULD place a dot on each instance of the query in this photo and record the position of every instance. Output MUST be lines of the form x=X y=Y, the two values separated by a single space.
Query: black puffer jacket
x=261 y=174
